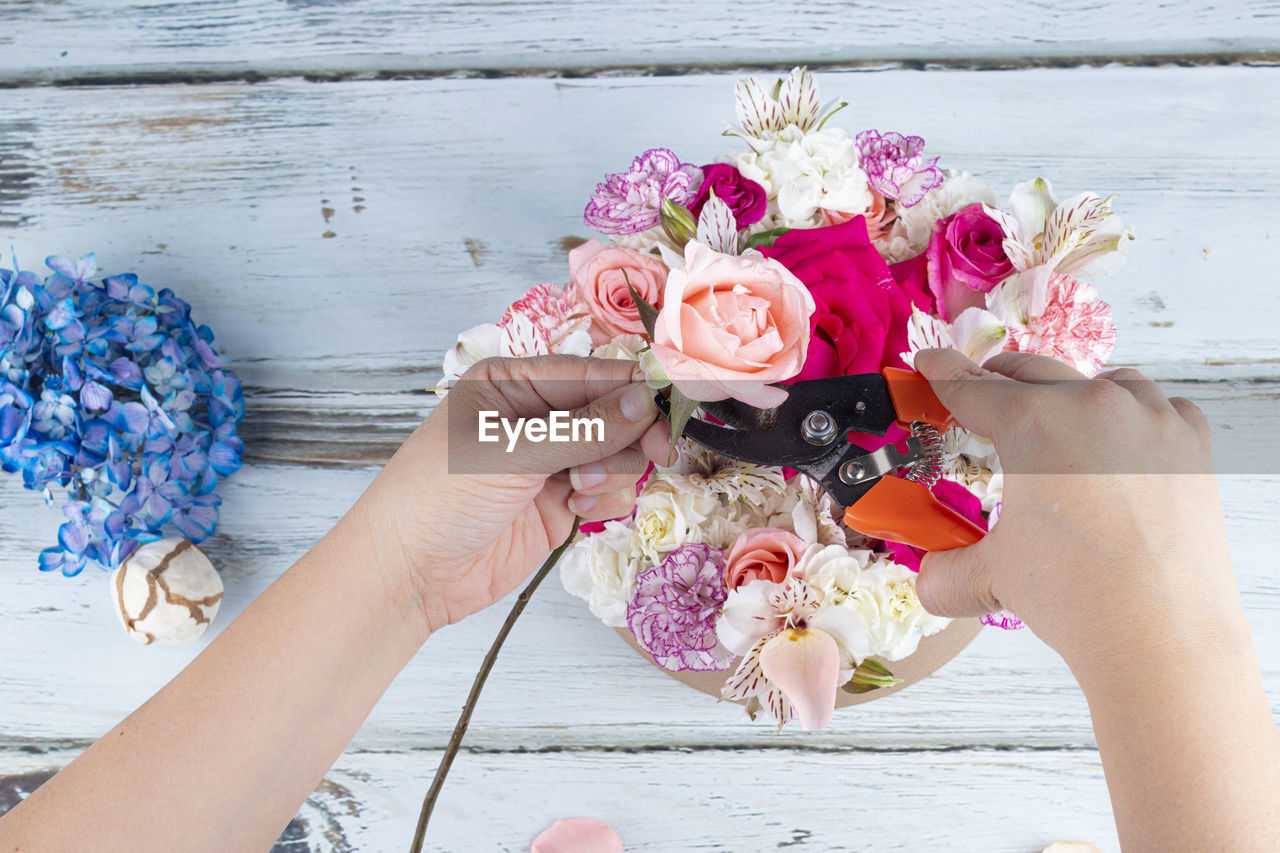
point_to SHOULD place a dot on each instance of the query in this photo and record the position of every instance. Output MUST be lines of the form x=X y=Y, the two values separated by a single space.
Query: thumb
x=956 y=583
x=597 y=430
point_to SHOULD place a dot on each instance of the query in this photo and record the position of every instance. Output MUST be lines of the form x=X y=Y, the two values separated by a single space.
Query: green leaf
x=870 y=675
x=682 y=408
x=764 y=238
x=648 y=314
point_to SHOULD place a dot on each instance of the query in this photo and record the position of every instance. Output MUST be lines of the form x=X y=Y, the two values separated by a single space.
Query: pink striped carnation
x=674 y=609
x=896 y=167
x=630 y=202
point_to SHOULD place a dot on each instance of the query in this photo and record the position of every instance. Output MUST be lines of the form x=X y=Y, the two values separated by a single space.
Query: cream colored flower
x=886 y=603
x=667 y=517
x=601 y=570
x=910 y=233
x=623 y=347
x=832 y=571
x=805 y=174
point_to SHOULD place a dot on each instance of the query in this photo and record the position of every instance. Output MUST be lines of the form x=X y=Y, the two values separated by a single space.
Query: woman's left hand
x=464 y=521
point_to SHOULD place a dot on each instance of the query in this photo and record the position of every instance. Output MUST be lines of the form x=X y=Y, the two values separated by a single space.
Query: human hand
x=465 y=522
x=1111 y=529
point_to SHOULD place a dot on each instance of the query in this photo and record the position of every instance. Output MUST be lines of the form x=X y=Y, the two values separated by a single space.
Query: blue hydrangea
x=111 y=392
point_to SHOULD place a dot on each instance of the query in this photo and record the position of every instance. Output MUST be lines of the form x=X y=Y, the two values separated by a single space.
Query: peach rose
x=764 y=554
x=600 y=273
x=878 y=215
x=730 y=325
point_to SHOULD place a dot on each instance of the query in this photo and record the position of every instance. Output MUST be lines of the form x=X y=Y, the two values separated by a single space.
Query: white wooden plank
x=70 y=672
x=221 y=190
x=675 y=801
x=250 y=38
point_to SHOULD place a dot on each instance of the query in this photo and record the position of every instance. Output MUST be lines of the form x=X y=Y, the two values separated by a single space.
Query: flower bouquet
x=807 y=253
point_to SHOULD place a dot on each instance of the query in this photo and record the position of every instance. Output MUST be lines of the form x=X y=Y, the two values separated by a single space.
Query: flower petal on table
x=577 y=835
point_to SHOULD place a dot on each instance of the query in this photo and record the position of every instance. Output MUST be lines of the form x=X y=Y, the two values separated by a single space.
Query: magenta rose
x=966 y=259
x=859 y=324
x=746 y=198
x=951 y=494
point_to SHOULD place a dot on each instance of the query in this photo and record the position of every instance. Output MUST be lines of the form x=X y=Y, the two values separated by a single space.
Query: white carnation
x=886 y=603
x=909 y=235
x=601 y=569
x=804 y=174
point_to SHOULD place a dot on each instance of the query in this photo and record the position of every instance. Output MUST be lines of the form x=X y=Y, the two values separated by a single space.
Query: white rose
x=667 y=517
x=806 y=173
x=625 y=347
x=909 y=235
x=601 y=569
x=886 y=603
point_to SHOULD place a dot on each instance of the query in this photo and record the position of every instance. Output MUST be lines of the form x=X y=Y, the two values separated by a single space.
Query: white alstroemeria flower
x=971 y=460
x=667 y=517
x=717 y=226
x=792 y=103
x=1081 y=236
x=601 y=569
x=886 y=603
x=805 y=174
x=520 y=337
x=474 y=344
x=738 y=482
x=977 y=333
x=796 y=652
x=910 y=232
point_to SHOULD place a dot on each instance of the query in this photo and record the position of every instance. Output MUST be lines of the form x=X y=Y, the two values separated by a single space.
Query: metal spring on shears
x=928 y=470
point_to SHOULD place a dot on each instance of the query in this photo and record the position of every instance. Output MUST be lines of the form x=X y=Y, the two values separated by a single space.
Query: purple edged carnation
x=895 y=166
x=746 y=198
x=630 y=202
x=674 y=609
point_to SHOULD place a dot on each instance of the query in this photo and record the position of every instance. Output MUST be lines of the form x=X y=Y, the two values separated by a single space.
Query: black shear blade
x=775 y=436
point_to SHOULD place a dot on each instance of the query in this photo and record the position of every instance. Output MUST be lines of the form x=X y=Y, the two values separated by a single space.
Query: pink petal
x=577 y=835
x=805 y=666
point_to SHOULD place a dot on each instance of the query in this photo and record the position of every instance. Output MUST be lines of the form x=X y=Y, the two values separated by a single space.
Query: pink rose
x=859 y=323
x=966 y=259
x=600 y=273
x=951 y=494
x=730 y=325
x=746 y=198
x=762 y=554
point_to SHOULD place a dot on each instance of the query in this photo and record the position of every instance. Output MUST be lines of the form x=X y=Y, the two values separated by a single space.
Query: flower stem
x=459 y=730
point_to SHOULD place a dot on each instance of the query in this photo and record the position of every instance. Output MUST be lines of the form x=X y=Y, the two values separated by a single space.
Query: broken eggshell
x=166 y=592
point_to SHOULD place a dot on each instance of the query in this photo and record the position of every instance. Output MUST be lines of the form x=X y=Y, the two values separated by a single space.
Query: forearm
x=224 y=754
x=1190 y=750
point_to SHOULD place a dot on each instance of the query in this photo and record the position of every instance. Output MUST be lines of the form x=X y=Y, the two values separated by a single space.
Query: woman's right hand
x=1111 y=529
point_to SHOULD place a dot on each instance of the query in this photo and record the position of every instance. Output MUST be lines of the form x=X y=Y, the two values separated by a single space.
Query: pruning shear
x=810 y=433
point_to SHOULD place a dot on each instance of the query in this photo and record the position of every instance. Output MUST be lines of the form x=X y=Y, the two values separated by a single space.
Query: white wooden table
x=339 y=188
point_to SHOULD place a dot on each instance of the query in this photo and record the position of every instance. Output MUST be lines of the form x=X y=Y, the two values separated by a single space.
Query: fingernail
x=637 y=403
x=587 y=476
x=579 y=504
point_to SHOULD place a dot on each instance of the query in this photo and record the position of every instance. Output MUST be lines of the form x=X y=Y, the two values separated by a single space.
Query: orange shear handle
x=907 y=512
x=914 y=400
